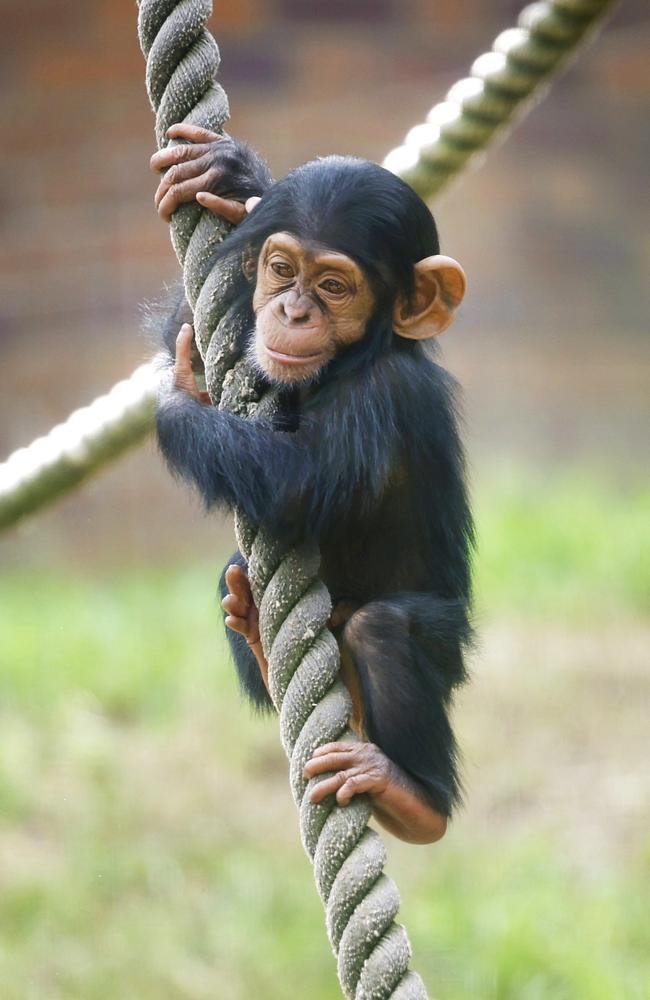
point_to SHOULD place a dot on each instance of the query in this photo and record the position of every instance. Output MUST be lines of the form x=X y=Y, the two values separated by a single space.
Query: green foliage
x=568 y=545
x=522 y=924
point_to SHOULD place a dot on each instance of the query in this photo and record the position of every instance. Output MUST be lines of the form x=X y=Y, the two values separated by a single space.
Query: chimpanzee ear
x=249 y=260
x=439 y=289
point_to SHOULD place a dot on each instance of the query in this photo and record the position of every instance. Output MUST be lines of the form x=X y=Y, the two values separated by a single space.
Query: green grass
x=148 y=845
x=571 y=545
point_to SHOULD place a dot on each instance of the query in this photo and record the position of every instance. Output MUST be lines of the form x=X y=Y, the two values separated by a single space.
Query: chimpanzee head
x=342 y=258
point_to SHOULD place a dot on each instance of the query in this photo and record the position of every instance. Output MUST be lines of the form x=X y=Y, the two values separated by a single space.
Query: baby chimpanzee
x=341 y=284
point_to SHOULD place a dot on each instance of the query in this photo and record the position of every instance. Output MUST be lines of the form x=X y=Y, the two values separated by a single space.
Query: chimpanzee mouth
x=293 y=359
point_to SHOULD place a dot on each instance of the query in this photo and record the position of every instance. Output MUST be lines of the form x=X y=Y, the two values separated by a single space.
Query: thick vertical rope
x=361 y=902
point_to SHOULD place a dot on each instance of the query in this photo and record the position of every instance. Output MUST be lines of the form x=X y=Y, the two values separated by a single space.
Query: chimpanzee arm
x=408 y=654
x=300 y=481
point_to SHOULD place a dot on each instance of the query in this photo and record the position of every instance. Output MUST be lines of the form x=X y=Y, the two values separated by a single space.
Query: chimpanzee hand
x=242 y=615
x=204 y=164
x=184 y=377
x=397 y=801
x=360 y=767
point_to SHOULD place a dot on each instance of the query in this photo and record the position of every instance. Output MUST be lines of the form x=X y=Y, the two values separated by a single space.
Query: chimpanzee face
x=310 y=302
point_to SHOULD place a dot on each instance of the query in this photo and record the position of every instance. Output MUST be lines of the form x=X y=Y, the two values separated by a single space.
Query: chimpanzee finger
x=237 y=583
x=178 y=194
x=170 y=155
x=356 y=784
x=328 y=762
x=184 y=342
x=181 y=172
x=328 y=786
x=234 y=605
x=236 y=624
x=227 y=208
x=341 y=746
x=183 y=375
x=195 y=133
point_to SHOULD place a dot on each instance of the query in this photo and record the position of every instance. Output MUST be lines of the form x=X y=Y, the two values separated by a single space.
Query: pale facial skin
x=310 y=303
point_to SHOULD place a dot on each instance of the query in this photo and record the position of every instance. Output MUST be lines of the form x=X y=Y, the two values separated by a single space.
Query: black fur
x=164 y=316
x=367 y=460
x=244 y=173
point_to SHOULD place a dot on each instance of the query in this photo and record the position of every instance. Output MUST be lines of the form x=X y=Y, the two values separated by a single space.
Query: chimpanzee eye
x=333 y=286
x=282 y=269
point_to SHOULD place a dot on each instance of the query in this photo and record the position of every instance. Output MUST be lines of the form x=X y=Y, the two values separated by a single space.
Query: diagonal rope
x=361 y=902
x=71 y=452
x=504 y=85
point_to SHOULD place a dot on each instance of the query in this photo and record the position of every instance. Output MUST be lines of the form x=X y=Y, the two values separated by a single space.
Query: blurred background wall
x=551 y=346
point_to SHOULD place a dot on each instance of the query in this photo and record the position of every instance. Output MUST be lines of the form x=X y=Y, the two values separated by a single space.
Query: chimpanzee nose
x=297 y=306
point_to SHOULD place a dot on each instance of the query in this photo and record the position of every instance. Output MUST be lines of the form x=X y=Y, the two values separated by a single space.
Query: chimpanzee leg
x=248 y=671
x=408 y=653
